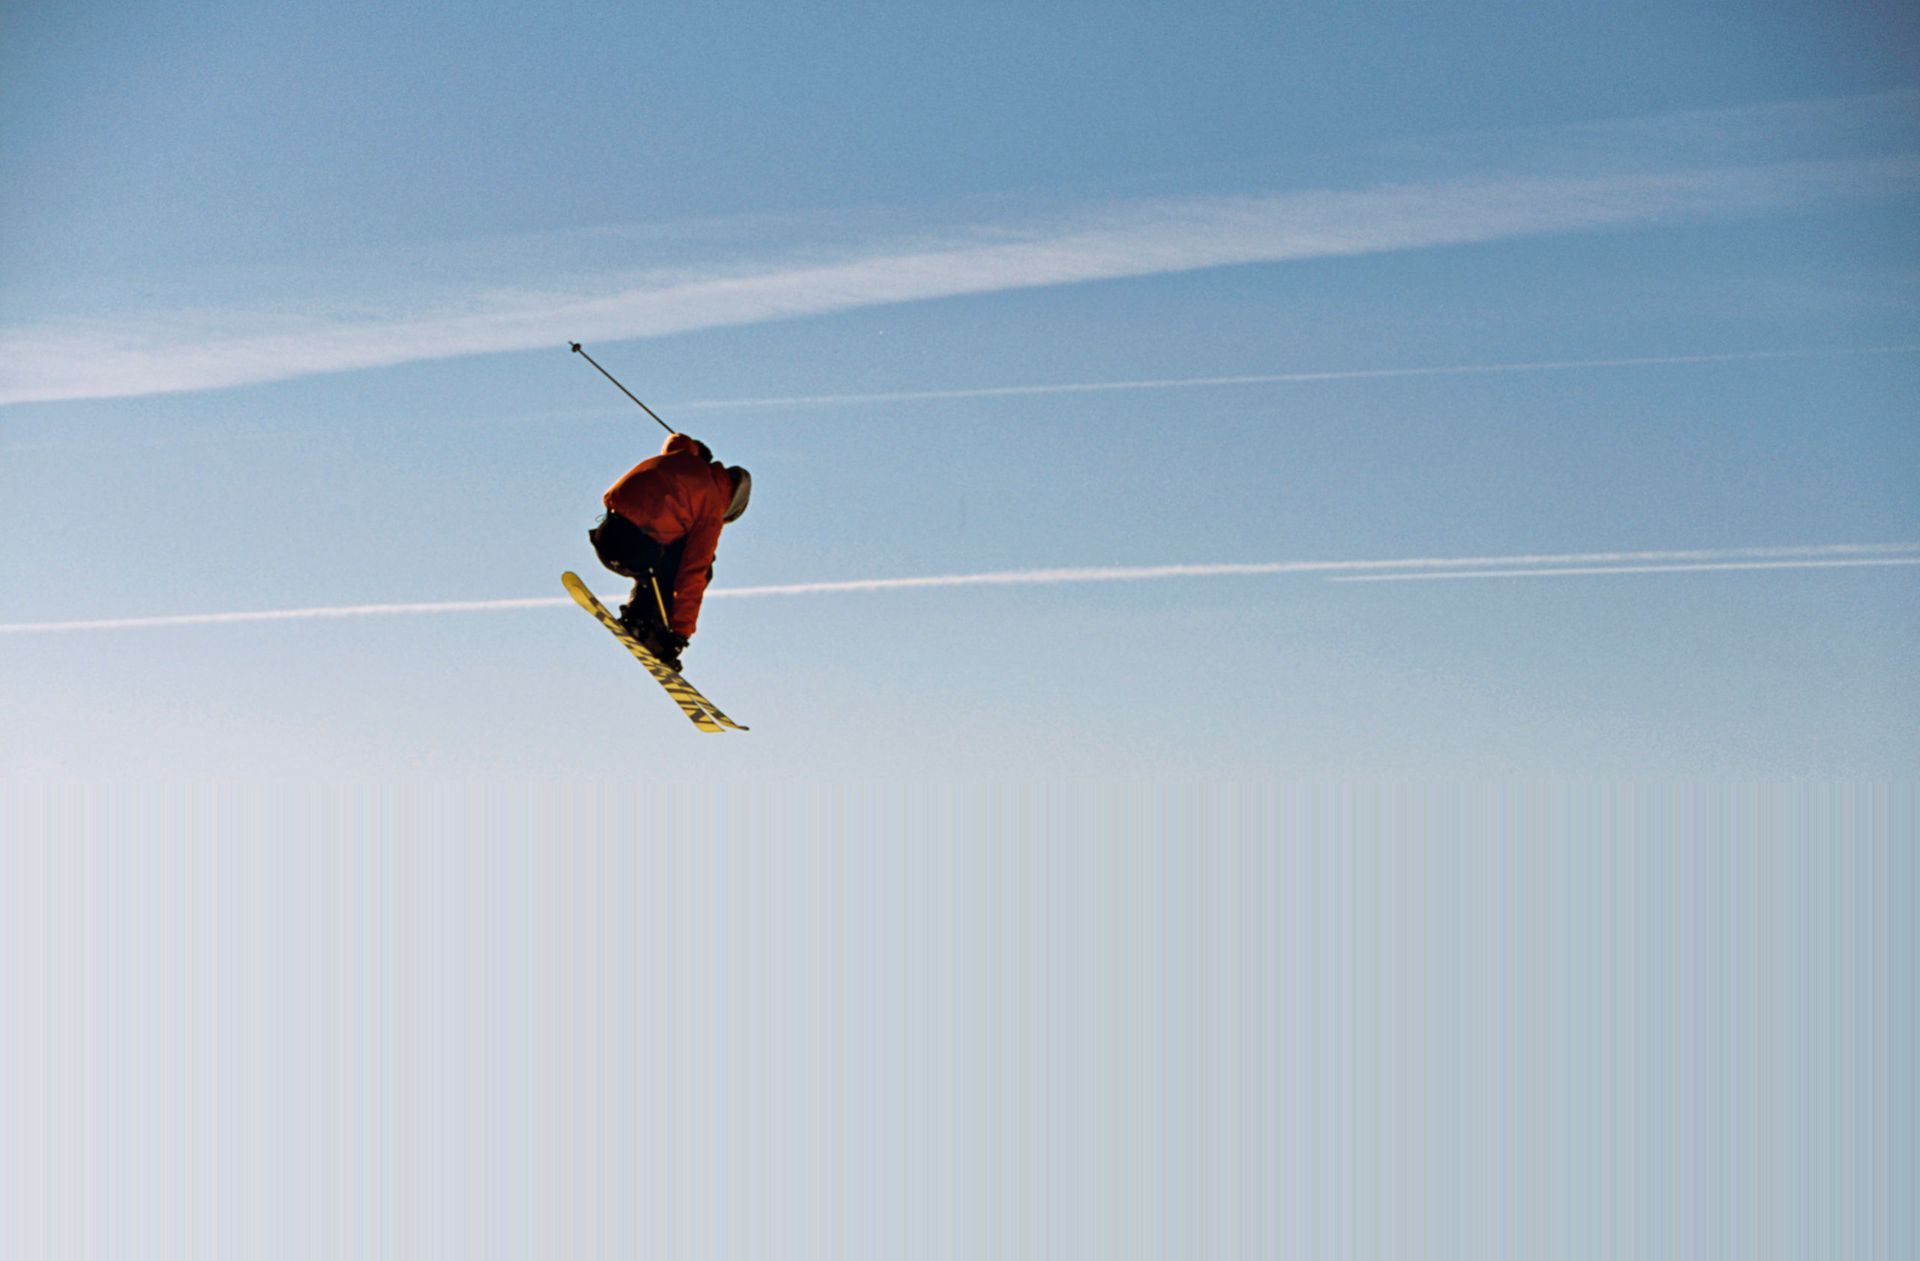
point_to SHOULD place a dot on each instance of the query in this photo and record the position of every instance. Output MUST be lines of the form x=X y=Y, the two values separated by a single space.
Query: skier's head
x=742 y=488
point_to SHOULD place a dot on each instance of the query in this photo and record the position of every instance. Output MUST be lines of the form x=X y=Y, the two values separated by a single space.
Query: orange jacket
x=678 y=494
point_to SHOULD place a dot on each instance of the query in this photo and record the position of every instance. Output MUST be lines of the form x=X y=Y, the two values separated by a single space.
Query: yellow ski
x=703 y=712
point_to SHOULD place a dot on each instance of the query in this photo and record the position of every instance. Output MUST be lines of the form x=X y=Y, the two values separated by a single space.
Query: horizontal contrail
x=1143 y=573
x=1285 y=378
x=285 y=615
x=1632 y=569
x=1479 y=566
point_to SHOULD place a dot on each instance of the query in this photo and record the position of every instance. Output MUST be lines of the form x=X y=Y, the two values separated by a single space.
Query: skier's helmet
x=742 y=488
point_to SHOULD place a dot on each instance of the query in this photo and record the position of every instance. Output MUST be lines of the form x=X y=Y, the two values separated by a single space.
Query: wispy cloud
x=1767 y=131
x=180 y=351
x=1531 y=565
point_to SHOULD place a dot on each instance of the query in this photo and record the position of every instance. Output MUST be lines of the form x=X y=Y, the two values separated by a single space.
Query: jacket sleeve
x=696 y=569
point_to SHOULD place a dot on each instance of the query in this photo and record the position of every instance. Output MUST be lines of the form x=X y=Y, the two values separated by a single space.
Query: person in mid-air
x=661 y=529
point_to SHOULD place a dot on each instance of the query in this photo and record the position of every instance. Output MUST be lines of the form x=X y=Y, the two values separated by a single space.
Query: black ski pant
x=631 y=552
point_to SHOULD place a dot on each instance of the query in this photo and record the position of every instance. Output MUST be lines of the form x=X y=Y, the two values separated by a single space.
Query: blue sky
x=1253 y=505
x=285 y=299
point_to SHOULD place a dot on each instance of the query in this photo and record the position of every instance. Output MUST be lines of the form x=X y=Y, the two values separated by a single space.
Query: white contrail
x=1481 y=566
x=1143 y=573
x=1285 y=378
x=194 y=350
x=1632 y=569
x=285 y=615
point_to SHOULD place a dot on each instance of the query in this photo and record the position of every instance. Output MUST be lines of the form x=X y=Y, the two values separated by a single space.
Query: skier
x=661 y=529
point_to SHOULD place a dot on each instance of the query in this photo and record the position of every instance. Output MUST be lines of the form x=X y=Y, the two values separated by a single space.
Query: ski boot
x=633 y=616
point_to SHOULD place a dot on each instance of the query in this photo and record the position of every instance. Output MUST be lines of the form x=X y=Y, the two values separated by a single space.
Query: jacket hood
x=681 y=444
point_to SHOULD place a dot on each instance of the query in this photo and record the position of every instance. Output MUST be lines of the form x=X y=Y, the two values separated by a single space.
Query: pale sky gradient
x=1241 y=491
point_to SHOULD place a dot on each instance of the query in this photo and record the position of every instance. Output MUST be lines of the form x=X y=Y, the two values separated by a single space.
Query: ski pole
x=623 y=389
x=659 y=600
